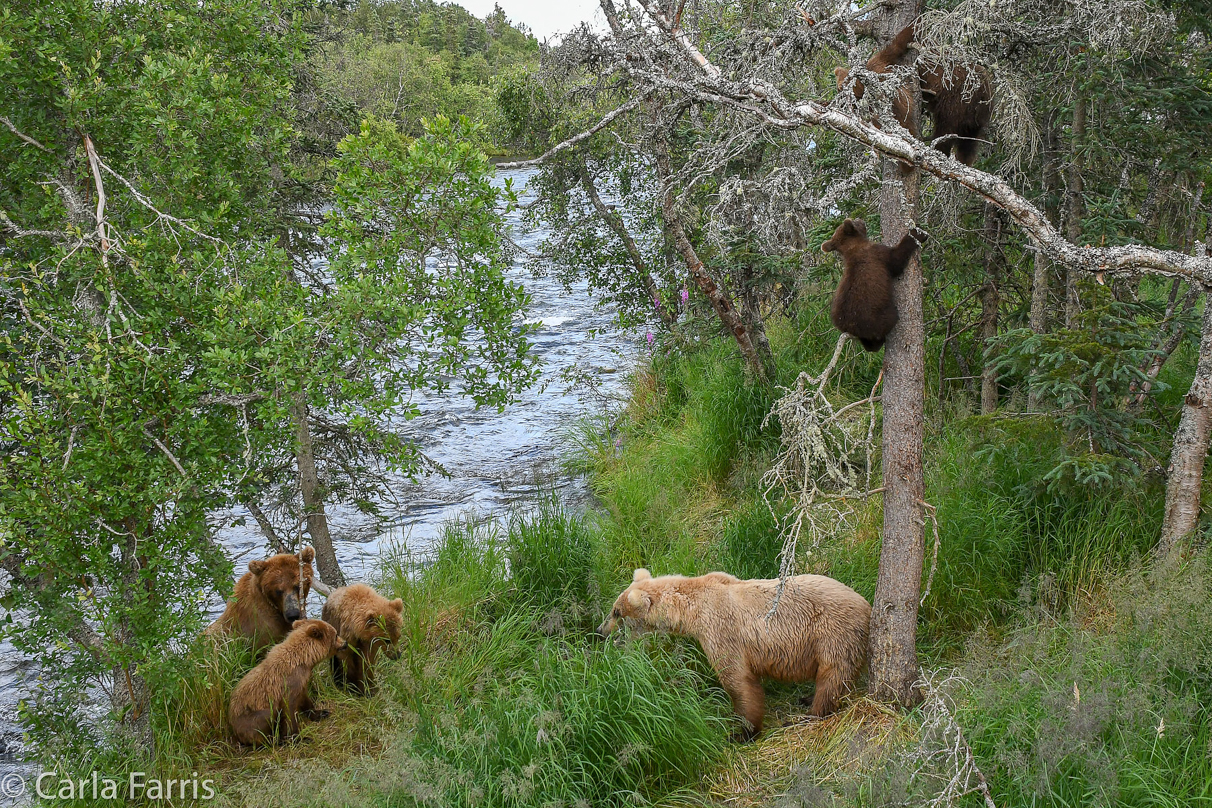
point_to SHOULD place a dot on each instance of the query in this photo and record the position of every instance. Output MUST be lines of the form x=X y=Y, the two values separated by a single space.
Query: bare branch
x=608 y=119
x=24 y=137
x=767 y=104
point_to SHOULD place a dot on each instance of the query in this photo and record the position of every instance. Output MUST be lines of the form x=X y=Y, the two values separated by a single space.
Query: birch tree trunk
x=893 y=651
x=1075 y=208
x=990 y=300
x=1185 y=477
x=615 y=222
x=313 y=500
x=720 y=301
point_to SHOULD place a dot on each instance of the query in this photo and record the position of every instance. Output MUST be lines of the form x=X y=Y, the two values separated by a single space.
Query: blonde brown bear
x=819 y=631
x=370 y=624
x=268 y=599
x=268 y=702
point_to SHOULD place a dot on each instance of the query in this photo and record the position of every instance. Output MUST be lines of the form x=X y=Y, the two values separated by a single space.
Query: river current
x=498 y=462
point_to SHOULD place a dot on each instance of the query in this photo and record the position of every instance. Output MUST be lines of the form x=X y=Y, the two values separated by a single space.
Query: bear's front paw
x=318 y=715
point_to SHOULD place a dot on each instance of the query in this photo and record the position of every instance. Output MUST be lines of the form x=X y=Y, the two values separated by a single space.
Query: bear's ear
x=297 y=624
x=850 y=228
x=860 y=227
x=841 y=73
x=641 y=575
x=397 y=605
x=307 y=556
x=257 y=567
x=639 y=600
x=316 y=633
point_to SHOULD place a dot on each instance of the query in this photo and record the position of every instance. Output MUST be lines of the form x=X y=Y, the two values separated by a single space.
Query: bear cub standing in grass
x=369 y=623
x=268 y=702
x=268 y=599
x=819 y=631
x=862 y=305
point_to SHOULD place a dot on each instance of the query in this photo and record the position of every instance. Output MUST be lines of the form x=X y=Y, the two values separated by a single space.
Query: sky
x=545 y=17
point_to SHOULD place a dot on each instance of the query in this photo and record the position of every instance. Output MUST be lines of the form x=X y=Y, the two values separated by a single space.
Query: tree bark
x=313 y=500
x=1186 y=473
x=615 y=222
x=1185 y=477
x=720 y=301
x=1075 y=209
x=893 y=649
x=990 y=300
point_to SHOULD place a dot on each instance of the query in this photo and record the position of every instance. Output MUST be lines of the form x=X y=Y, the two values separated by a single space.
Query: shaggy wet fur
x=370 y=624
x=818 y=632
x=958 y=97
x=267 y=703
x=863 y=305
x=268 y=599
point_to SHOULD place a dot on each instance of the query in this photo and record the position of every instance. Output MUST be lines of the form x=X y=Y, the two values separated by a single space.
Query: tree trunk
x=1075 y=208
x=990 y=299
x=1185 y=477
x=1039 y=280
x=893 y=651
x=615 y=222
x=720 y=301
x=1186 y=474
x=313 y=499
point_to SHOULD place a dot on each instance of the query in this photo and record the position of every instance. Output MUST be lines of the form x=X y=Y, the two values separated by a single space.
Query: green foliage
x=409 y=62
x=148 y=369
x=1061 y=714
x=551 y=557
x=1088 y=374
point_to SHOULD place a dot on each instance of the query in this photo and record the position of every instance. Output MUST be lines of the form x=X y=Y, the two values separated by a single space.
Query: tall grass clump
x=551 y=556
x=1002 y=524
x=1105 y=703
x=506 y=699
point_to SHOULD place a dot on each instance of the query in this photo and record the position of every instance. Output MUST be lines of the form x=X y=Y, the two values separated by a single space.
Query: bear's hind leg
x=871 y=344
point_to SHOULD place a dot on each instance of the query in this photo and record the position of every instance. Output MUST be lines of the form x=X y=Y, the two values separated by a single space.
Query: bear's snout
x=606 y=628
x=290 y=608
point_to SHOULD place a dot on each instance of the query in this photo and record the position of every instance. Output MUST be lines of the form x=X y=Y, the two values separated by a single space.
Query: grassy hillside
x=1077 y=673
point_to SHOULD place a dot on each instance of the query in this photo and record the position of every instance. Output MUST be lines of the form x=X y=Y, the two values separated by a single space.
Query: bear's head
x=843 y=73
x=383 y=629
x=284 y=580
x=847 y=232
x=320 y=638
x=649 y=603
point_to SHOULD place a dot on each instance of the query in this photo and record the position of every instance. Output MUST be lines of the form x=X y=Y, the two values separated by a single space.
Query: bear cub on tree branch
x=958 y=97
x=862 y=305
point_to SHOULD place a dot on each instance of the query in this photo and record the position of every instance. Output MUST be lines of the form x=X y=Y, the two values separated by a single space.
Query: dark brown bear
x=958 y=97
x=862 y=305
x=268 y=598
x=370 y=624
x=268 y=702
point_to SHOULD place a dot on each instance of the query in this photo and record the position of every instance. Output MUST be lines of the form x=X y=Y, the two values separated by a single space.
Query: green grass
x=504 y=697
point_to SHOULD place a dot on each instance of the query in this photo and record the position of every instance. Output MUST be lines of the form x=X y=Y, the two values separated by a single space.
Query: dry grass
x=842 y=744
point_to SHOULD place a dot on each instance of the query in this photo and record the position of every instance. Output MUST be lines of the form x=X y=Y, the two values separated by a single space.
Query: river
x=498 y=461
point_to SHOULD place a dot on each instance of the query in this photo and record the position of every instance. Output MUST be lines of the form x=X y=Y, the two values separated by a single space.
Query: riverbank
x=1081 y=672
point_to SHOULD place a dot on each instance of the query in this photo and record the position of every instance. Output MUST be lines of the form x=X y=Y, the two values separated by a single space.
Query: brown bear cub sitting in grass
x=267 y=703
x=819 y=631
x=268 y=599
x=862 y=305
x=370 y=624
x=958 y=97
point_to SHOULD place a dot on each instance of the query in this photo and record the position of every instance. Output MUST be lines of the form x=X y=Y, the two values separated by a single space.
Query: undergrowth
x=1084 y=671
